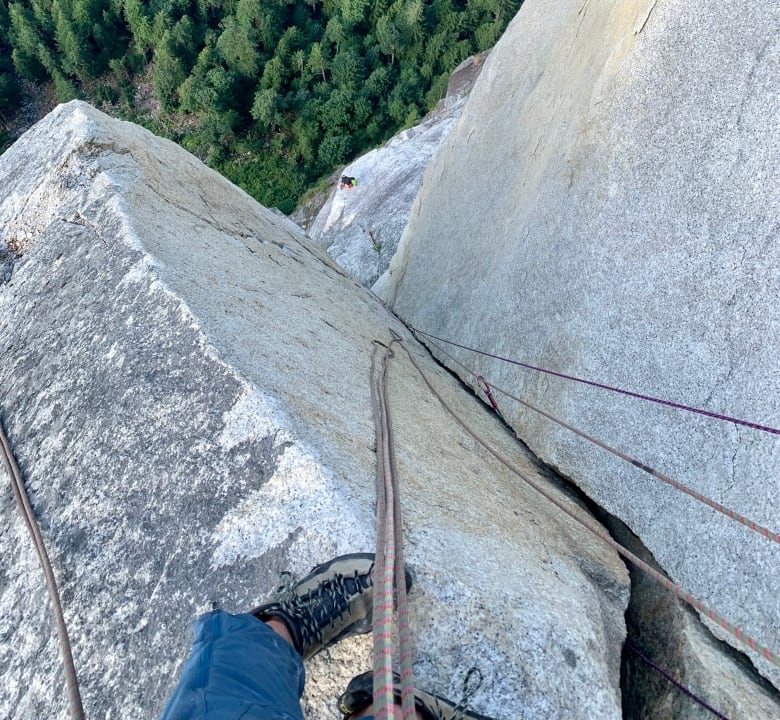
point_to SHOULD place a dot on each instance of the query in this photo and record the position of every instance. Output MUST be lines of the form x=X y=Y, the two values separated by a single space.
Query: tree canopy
x=273 y=94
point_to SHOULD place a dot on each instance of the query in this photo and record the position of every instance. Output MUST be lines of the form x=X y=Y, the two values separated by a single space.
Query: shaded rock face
x=360 y=227
x=624 y=229
x=186 y=385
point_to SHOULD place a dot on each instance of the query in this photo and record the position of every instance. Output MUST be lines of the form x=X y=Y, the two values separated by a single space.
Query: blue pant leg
x=238 y=669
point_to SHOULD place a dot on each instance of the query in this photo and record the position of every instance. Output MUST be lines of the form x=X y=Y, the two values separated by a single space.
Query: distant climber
x=347 y=182
x=251 y=665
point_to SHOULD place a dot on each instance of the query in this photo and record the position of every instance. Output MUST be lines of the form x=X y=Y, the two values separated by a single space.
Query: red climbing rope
x=592 y=383
x=728 y=512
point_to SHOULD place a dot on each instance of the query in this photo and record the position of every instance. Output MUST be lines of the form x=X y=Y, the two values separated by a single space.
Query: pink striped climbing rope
x=389 y=568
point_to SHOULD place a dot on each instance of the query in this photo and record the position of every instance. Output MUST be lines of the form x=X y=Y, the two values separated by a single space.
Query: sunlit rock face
x=360 y=226
x=186 y=385
x=607 y=207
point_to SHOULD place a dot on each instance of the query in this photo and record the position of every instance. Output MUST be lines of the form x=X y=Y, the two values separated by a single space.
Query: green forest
x=274 y=94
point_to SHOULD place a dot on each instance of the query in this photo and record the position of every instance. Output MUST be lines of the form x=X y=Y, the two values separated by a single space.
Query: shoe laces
x=320 y=607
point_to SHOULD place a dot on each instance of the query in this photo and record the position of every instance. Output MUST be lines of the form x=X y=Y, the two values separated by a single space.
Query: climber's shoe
x=360 y=694
x=332 y=602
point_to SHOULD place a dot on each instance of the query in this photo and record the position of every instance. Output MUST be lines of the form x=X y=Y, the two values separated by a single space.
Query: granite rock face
x=186 y=385
x=668 y=633
x=622 y=167
x=360 y=227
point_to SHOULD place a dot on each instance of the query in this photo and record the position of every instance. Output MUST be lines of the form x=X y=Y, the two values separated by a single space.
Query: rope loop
x=468 y=692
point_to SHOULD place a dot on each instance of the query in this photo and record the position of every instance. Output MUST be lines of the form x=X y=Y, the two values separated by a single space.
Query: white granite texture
x=607 y=207
x=185 y=381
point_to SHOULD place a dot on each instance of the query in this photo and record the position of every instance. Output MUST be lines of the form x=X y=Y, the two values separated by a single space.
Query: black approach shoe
x=360 y=694
x=332 y=602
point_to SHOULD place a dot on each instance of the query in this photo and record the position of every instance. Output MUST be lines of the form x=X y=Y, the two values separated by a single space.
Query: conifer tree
x=135 y=14
x=168 y=71
x=237 y=46
x=9 y=84
x=27 y=41
x=317 y=60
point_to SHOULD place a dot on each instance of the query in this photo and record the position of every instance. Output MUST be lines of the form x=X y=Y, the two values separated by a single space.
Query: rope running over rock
x=588 y=524
x=389 y=568
x=593 y=383
x=732 y=514
x=647 y=661
x=74 y=695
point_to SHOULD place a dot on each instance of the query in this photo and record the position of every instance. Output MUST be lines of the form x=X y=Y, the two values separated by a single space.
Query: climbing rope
x=732 y=514
x=17 y=484
x=592 y=383
x=692 y=695
x=389 y=570
x=485 y=387
x=590 y=525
